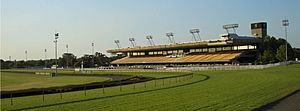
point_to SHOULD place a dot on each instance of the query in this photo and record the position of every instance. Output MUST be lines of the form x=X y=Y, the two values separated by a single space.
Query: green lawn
x=16 y=81
x=224 y=90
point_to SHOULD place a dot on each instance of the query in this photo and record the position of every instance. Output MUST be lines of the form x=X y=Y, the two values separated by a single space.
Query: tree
x=281 y=53
x=270 y=43
x=40 y=63
x=101 y=59
x=271 y=46
x=86 y=59
x=269 y=56
x=296 y=53
x=67 y=59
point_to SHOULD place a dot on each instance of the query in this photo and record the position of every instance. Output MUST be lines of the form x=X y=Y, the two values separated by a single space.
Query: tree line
x=274 y=50
x=67 y=60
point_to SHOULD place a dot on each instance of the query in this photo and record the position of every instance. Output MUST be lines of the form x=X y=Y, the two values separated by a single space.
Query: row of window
x=215 y=49
x=137 y=53
x=166 y=52
x=244 y=47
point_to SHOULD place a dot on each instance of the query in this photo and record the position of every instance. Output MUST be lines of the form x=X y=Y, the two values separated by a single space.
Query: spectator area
x=226 y=56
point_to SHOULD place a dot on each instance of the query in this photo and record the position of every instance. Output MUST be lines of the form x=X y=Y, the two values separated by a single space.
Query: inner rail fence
x=230 y=67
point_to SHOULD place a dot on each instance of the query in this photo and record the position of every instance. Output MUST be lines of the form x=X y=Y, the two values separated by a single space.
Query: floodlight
x=56 y=35
x=132 y=41
x=150 y=39
x=192 y=31
x=285 y=22
x=117 y=42
x=229 y=26
x=170 y=35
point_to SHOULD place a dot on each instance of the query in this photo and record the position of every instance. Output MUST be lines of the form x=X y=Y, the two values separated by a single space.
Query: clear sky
x=30 y=24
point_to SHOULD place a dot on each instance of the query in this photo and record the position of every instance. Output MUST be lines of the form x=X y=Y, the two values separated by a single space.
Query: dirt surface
x=289 y=103
x=113 y=77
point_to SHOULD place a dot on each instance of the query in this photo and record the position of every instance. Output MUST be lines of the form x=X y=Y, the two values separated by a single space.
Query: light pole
x=132 y=41
x=285 y=23
x=170 y=35
x=55 y=41
x=150 y=39
x=67 y=46
x=67 y=56
x=192 y=31
x=82 y=65
x=93 y=64
x=26 y=59
x=118 y=43
x=45 y=58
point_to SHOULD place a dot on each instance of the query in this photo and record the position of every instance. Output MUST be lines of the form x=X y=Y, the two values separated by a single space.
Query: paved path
x=291 y=103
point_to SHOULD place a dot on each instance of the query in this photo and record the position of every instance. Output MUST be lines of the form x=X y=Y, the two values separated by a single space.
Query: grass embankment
x=224 y=90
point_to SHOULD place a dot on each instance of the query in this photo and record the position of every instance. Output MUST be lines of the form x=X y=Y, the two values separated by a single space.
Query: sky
x=30 y=24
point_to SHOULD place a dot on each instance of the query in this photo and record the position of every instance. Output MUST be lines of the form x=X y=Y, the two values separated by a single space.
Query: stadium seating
x=225 y=56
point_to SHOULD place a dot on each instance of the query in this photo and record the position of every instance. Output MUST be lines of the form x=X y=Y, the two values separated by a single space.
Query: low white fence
x=230 y=67
x=43 y=73
x=187 y=68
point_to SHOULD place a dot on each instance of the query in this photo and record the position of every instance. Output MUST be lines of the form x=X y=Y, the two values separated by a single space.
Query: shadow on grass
x=274 y=103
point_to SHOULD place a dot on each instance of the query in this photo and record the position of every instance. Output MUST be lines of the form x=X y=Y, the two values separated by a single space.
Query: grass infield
x=17 y=81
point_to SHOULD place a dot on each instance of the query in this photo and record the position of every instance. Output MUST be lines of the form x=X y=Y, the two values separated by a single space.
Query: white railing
x=184 y=69
x=230 y=67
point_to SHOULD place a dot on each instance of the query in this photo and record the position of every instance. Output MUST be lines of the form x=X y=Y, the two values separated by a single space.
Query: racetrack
x=224 y=90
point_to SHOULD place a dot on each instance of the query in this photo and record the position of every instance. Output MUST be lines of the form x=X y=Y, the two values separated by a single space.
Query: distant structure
x=230 y=48
x=259 y=29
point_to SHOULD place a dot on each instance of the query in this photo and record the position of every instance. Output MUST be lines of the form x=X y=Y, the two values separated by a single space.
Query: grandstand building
x=229 y=49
